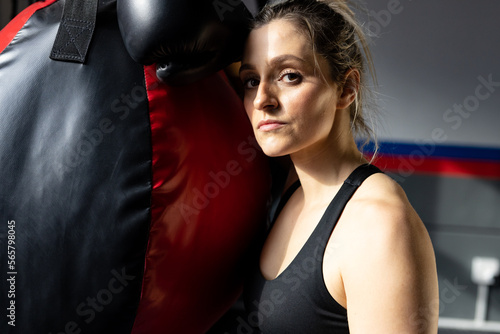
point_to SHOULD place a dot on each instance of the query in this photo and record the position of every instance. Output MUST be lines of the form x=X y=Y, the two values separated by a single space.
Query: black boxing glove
x=187 y=39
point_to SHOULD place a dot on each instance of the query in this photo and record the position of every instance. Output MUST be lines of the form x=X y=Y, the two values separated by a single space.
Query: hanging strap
x=75 y=31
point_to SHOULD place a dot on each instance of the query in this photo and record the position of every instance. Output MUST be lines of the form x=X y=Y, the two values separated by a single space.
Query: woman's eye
x=250 y=83
x=291 y=77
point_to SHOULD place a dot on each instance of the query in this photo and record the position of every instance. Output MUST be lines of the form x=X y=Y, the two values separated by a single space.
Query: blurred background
x=9 y=8
x=438 y=71
x=438 y=95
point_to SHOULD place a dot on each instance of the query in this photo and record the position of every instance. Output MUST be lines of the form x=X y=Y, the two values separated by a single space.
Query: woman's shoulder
x=385 y=230
x=380 y=208
x=388 y=259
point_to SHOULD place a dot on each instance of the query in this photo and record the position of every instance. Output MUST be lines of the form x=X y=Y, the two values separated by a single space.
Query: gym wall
x=439 y=98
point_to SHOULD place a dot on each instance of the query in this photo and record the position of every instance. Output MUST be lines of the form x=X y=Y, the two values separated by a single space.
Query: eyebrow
x=276 y=60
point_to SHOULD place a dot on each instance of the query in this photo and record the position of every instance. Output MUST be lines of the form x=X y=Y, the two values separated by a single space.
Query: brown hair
x=338 y=37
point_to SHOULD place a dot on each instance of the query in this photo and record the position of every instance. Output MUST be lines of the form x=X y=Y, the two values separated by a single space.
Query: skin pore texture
x=379 y=262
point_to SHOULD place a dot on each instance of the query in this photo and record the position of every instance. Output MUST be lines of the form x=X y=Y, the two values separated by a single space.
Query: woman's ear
x=348 y=92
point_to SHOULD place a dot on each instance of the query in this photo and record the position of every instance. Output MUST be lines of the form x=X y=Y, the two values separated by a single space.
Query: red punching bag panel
x=210 y=188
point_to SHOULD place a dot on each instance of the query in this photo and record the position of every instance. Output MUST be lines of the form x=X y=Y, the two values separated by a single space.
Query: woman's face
x=290 y=104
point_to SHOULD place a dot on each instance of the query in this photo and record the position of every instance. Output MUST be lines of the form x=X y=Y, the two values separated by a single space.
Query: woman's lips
x=269 y=125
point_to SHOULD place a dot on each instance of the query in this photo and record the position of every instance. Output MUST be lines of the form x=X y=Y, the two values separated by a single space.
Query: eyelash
x=288 y=72
x=246 y=81
x=282 y=75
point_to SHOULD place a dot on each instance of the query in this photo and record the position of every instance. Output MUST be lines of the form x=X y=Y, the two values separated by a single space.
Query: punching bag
x=127 y=202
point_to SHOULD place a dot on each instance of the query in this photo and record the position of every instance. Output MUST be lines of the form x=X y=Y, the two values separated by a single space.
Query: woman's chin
x=273 y=152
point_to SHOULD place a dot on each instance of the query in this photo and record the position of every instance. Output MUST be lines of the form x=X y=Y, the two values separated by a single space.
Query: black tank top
x=297 y=301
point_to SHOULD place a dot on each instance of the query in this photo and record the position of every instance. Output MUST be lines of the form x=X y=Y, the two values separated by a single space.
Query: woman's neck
x=323 y=170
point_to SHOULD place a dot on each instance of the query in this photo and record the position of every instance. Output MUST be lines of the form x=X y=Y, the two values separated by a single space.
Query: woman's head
x=334 y=36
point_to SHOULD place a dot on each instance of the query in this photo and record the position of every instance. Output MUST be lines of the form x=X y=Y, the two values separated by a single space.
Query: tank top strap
x=338 y=203
x=284 y=198
x=361 y=173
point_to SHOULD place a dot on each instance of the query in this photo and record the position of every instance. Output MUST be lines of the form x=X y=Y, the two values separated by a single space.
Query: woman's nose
x=265 y=99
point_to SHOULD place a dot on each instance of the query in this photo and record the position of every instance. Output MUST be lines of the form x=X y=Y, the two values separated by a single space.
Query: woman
x=346 y=253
